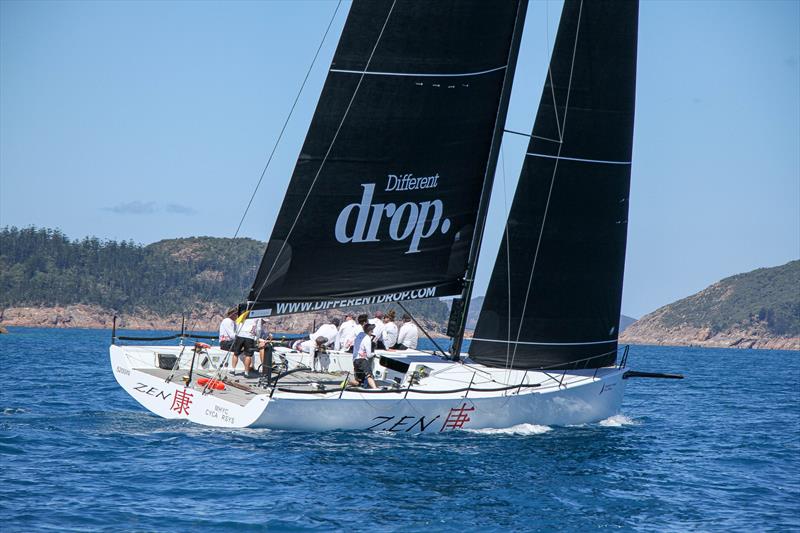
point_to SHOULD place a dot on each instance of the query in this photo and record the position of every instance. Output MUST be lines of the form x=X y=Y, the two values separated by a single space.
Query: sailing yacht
x=388 y=203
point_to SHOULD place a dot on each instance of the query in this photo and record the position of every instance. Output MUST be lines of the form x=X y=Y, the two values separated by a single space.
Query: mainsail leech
x=383 y=202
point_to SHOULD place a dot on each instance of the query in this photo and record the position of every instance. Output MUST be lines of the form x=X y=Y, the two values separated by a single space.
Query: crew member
x=227 y=329
x=321 y=358
x=362 y=358
x=378 y=333
x=408 y=336
x=329 y=331
x=245 y=345
x=347 y=333
x=389 y=334
x=265 y=348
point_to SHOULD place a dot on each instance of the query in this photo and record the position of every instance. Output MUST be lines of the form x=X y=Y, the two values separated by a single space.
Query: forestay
x=555 y=292
x=383 y=199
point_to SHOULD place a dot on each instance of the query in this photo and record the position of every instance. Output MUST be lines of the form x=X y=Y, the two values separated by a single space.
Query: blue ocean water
x=719 y=451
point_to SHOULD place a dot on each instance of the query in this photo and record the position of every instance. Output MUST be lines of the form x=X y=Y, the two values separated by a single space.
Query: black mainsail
x=555 y=293
x=382 y=203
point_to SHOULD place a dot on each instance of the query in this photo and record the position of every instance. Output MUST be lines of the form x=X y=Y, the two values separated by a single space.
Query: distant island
x=758 y=309
x=48 y=280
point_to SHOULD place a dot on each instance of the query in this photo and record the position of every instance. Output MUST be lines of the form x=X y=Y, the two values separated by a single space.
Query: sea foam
x=519 y=429
x=618 y=421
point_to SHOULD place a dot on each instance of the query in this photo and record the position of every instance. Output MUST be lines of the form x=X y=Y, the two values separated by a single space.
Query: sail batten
x=422 y=74
x=383 y=200
x=567 y=226
x=532 y=343
x=582 y=160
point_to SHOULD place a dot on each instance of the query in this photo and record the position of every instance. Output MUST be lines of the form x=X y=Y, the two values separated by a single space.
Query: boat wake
x=617 y=421
x=519 y=429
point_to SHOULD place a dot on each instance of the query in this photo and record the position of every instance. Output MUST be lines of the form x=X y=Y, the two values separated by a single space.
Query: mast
x=486 y=191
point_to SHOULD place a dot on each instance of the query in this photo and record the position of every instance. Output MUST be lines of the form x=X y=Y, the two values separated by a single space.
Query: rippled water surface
x=717 y=451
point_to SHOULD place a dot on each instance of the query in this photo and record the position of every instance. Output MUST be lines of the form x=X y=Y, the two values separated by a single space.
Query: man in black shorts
x=362 y=358
x=245 y=345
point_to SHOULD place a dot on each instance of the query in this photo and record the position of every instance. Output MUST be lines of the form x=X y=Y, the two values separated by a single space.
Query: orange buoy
x=212 y=383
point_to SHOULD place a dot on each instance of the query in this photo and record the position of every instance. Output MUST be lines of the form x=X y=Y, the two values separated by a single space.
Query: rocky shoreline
x=205 y=318
x=645 y=332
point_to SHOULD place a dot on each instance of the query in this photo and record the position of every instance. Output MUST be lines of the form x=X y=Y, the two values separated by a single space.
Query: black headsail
x=382 y=203
x=554 y=296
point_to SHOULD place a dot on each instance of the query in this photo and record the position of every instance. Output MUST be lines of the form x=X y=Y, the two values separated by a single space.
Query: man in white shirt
x=227 y=329
x=362 y=359
x=317 y=350
x=329 y=331
x=389 y=334
x=408 y=336
x=377 y=333
x=347 y=332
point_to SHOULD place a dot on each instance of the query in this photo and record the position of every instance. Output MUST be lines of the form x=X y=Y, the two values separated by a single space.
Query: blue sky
x=153 y=120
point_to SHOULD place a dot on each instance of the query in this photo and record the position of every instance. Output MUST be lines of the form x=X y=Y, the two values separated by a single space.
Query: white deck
x=447 y=395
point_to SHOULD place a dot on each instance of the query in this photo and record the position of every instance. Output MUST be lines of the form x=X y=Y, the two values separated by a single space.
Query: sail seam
x=544 y=343
x=582 y=160
x=418 y=74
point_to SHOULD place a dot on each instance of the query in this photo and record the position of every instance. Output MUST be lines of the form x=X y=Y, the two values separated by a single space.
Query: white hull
x=474 y=401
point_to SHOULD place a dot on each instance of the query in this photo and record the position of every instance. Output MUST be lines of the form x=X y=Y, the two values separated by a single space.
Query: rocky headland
x=758 y=309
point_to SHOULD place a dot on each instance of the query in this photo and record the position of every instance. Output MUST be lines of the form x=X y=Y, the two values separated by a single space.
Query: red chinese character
x=182 y=401
x=457 y=418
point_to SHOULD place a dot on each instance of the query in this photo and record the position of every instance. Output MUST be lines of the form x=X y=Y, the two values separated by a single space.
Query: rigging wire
x=327 y=153
x=277 y=142
x=531 y=135
x=550 y=69
x=403 y=307
x=550 y=191
x=483 y=207
x=319 y=170
x=508 y=258
x=288 y=117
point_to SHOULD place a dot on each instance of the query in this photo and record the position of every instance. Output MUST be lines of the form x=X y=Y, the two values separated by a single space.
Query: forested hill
x=755 y=309
x=43 y=268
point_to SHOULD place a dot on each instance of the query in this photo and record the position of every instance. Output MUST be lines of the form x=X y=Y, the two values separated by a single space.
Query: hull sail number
x=408 y=220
